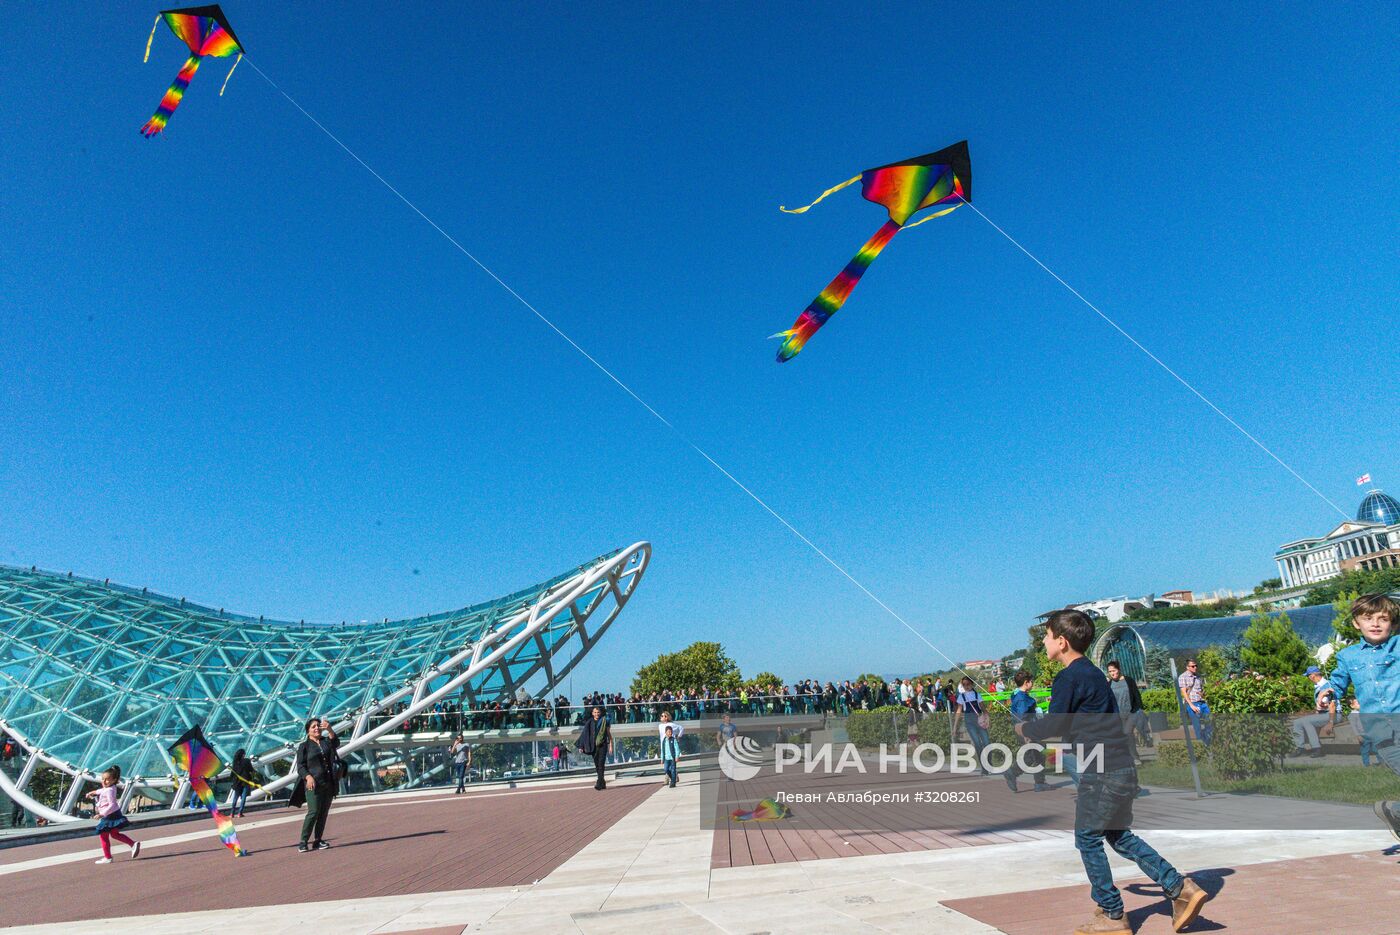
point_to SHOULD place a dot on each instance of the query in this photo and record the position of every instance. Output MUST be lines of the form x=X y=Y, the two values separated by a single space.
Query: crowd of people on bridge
x=809 y=696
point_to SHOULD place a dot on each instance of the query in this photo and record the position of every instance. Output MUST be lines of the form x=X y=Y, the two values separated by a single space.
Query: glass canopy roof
x=96 y=674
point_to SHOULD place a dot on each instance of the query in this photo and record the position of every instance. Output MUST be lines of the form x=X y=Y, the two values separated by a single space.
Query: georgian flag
x=1363 y=479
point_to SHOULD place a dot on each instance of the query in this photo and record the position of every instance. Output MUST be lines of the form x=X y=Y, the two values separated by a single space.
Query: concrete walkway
x=650 y=872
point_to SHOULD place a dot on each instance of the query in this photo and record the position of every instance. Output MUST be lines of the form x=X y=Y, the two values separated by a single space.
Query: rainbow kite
x=767 y=810
x=205 y=30
x=192 y=754
x=941 y=180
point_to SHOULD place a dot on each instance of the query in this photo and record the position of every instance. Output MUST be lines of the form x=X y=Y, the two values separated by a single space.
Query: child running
x=1083 y=711
x=112 y=820
x=1372 y=666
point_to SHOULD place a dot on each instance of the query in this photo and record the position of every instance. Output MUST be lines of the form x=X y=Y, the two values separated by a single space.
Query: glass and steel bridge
x=94 y=674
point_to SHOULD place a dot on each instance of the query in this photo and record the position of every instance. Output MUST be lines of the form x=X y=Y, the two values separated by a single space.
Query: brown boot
x=1187 y=904
x=1101 y=924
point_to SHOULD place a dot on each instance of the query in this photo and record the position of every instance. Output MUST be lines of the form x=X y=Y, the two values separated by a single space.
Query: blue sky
x=237 y=369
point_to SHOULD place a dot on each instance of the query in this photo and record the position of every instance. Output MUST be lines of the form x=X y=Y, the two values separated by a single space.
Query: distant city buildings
x=1116 y=609
x=1371 y=541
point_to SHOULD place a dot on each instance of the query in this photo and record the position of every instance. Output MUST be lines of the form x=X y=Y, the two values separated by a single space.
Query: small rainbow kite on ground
x=941 y=180
x=205 y=30
x=766 y=810
x=192 y=754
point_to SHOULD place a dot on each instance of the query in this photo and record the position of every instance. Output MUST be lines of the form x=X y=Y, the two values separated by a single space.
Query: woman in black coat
x=316 y=771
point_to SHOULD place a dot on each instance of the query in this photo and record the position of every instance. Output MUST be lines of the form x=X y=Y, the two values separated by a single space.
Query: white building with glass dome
x=1371 y=541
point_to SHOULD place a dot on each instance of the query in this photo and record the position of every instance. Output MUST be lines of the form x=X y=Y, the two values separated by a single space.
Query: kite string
x=1158 y=361
x=615 y=379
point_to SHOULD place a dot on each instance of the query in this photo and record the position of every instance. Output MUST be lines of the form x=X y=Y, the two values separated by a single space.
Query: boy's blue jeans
x=1200 y=721
x=1381 y=732
x=671 y=771
x=1104 y=811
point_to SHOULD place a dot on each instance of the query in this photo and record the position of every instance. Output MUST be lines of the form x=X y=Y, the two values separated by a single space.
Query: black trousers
x=318 y=806
x=600 y=760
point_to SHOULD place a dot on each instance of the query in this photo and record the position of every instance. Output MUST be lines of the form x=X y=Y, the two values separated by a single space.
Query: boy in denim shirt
x=1372 y=666
x=1084 y=712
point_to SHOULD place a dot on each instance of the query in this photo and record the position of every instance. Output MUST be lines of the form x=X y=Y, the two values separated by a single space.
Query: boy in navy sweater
x=1083 y=711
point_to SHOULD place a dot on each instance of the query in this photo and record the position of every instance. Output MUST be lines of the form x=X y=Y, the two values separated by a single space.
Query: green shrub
x=1270 y=695
x=1273 y=647
x=1173 y=754
x=1248 y=745
x=1163 y=700
x=934 y=729
x=887 y=725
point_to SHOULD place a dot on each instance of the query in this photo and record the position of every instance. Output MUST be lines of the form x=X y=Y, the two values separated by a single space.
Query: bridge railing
x=544 y=716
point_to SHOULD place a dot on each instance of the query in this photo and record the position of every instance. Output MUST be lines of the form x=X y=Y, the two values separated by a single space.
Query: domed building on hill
x=1371 y=541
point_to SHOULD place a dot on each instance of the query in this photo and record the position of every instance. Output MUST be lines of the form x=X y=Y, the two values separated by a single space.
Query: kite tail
x=172 y=98
x=834 y=295
x=830 y=191
x=154 y=27
x=227 y=833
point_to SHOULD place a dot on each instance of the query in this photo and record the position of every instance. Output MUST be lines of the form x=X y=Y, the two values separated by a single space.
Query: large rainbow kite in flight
x=205 y=30
x=941 y=180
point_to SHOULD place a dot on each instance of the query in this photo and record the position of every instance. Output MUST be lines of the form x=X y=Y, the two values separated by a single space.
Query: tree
x=1157 y=666
x=870 y=678
x=1358 y=581
x=1273 y=647
x=1267 y=585
x=699 y=664
x=1227 y=607
x=1346 y=633
x=1212 y=663
x=762 y=681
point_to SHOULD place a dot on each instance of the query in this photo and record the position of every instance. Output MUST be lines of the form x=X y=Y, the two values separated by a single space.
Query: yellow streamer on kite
x=248 y=781
x=147 y=57
x=829 y=191
x=230 y=73
x=936 y=214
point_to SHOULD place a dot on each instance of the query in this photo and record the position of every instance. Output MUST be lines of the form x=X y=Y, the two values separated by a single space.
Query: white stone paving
x=649 y=874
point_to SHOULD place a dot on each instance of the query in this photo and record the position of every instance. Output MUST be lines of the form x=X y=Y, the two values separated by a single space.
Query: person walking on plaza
x=1372 y=666
x=665 y=723
x=315 y=768
x=670 y=754
x=728 y=732
x=1024 y=708
x=461 y=753
x=595 y=740
x=107 y=803
x=1193 y=693
x=1129 y=700
x=974 y=719
x=1084 y=712
x=1305 y=728
x=241 y=771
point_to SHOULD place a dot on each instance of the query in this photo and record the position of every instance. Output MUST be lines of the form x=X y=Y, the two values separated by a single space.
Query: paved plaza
x=559 y=857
